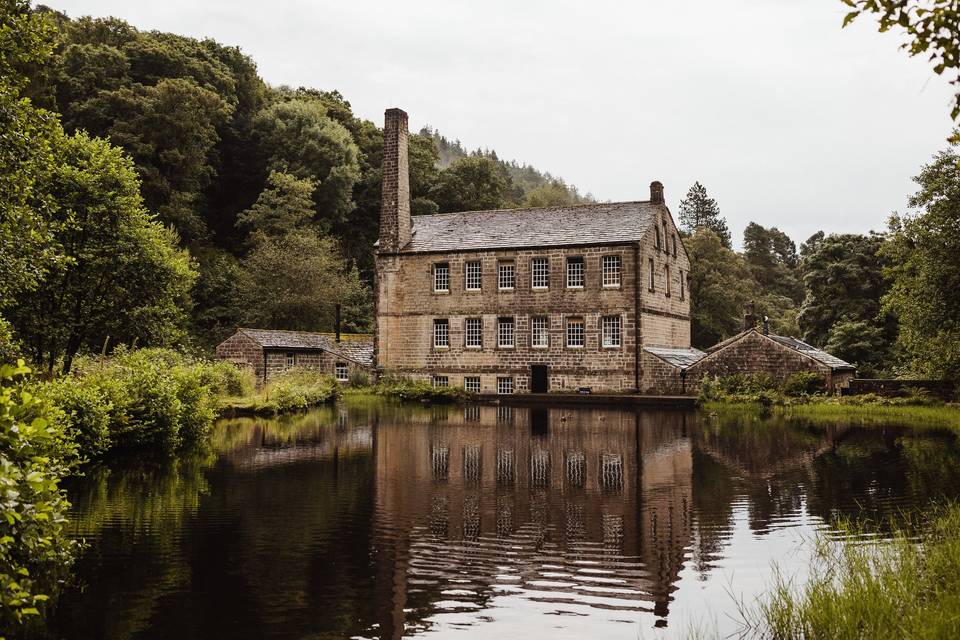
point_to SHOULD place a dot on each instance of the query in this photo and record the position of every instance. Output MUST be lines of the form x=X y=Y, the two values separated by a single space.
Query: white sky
x=788 y=120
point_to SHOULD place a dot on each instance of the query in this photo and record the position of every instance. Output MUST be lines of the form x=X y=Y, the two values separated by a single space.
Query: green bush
x=804 y=383
x=358 y=378
x=35 y=551
x=85 y=414
x=298 y=389
x=404 y=388
x=227 y=379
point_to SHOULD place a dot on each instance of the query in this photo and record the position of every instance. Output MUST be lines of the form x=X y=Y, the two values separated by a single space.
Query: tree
x=844 y=284
x=298 y=137
x=123 y=276
x=773 y=261
x=471 y=184
x=284 y=206
x=294 y=282
x=698 y=210
x=932 y=26
x=720 y=287
x=923 y=255
x=550 y=194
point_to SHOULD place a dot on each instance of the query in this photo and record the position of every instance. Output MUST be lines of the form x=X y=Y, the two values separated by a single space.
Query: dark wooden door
x=538 y=379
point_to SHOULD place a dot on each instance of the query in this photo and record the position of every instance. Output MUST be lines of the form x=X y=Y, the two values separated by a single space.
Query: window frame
x=467 y=383
x=614 y=321
x=534 y=263
x=438 y=381
x=501 y=266
x=577 y=320
x=656 y=228
x=503 y=322
x=618 y=271
x=572 y=260
x=437 y=323
x=466 y=275
x=545 y=332
x=438 y=268
x=467 y=332
x=652 y=285
x=674 y=241
x=666 y=275
x=337 y=368
x=683 y=288
x=290 y=359
x=503 y=381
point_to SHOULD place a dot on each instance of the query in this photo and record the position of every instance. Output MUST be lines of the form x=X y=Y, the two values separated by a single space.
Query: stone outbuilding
x=270 y=352
x=749 y=352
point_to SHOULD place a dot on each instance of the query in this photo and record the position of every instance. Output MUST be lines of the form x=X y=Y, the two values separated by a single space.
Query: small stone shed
x=748 y=352
x=270 y=352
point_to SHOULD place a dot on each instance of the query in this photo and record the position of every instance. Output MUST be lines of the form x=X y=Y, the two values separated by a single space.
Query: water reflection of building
x=585 y=508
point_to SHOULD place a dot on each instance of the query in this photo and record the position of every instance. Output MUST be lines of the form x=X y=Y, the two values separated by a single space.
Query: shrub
x=804 y=383
x=299 y=389
x=404 y=388
x=358 y=378
x=227 y=379
x=86 y=413
x=35 y=551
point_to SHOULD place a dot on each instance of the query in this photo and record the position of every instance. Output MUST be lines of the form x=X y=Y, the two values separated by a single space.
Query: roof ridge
x=517 y=209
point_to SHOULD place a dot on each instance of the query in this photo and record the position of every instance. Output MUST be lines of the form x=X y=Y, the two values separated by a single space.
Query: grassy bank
x=409 y=390
x=294 y=390
x=904 y=588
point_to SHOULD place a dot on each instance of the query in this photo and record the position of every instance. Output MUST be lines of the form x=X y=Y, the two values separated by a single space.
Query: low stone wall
x=895 y=388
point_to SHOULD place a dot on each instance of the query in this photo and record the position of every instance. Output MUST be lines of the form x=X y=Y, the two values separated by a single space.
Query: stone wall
x=313 y=360
x=240 y=349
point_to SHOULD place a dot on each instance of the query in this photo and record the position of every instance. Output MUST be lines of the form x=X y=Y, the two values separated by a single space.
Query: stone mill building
x=527 y=300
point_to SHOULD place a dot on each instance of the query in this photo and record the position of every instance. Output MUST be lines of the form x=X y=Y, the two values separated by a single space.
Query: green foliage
x=720 y=287
x=123 y=276
x=700 y=211
x=294 y=282
x=931 y=27
x=285 y=205
x=471 y=184
x=409 y=390
x=804 y=383
x=358 y=378
x=903 y=588
x=549 y=194
x=35 y=550
x=773 y=261
x=296 y=390
x=923 y=264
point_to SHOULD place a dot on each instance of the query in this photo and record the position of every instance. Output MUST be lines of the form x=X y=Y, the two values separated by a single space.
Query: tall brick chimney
x=395 y=194
x=656 y=192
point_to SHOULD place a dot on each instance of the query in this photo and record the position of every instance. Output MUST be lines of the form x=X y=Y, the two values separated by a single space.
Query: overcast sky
x=788 y=120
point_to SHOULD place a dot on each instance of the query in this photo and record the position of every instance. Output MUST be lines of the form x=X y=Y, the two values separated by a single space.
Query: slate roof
x=680 y=358
x=796 y=344
x=584 y=224
x=355 y=347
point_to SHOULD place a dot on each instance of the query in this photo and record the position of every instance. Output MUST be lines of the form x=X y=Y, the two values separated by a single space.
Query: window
x=441 y=333
x=441 y=277
x=504 y=385
x=652 y=285
x=666 y=248
x=611 y=271
x=291 y=360
x=575 y=333
x=673 y=237
x=472 y=384
x=473 y=276
x=539 y=337
x=575 y=273
x=506 y=275
x=340 y=371
x=441 y=381
x=505 y=334
x=540 y=273
x=683 y=288
x=473 y=333
x=657 y=229
x=611 y=331
x=666 y=272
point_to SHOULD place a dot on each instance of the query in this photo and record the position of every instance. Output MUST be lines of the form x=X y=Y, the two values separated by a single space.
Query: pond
x=374 y=520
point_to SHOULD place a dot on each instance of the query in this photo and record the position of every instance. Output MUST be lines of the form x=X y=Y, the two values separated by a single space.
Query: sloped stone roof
x=584 y=224
x=797 y=345
x=355 y=347
x=680 y=358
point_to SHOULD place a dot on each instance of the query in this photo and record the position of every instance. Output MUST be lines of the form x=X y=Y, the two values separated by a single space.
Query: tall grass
x=906 y=587
x=295 y=390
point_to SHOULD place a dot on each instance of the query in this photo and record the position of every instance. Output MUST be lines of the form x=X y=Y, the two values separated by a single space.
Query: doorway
x=539 y=382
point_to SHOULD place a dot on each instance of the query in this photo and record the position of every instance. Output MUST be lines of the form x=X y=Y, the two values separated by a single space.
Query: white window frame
x=572 y=330
x=471 y=384
x=581 y=272
x=441 y=277
x=540 y=273
x=612 y=271
x=473 y=275
x=290 y=359
x=473 y=328
x=440 y=381
x=504 y=385
x=506 y=275
x=506 y=328
x=612 y=332
x=540 y=328
x=653 y=284
x=341 y=371
x=441 y=333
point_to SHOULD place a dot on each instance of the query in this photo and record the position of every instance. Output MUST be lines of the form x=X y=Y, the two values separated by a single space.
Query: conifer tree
x=698 y=210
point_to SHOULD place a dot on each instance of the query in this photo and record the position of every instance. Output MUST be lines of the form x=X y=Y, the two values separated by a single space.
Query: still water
x=373 y=520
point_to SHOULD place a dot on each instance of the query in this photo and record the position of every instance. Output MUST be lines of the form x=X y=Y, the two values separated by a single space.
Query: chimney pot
x=656 y=192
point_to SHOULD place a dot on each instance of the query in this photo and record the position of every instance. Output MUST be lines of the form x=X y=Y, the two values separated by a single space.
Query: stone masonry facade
x=480 y=312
